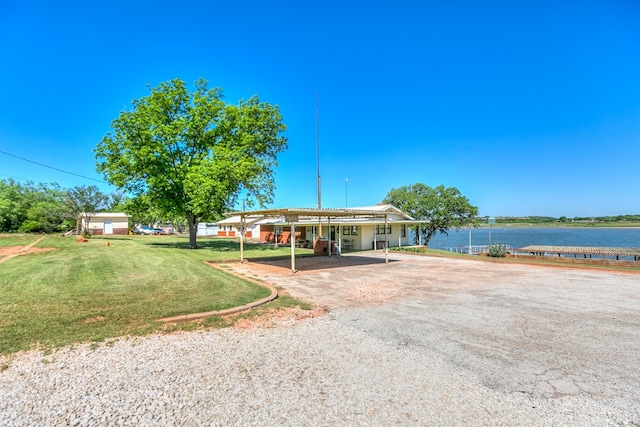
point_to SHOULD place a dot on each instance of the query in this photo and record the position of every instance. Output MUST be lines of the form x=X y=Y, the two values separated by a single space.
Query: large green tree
x=45 y=210
x=191 y=153
x=440 y=208
x=12 y=205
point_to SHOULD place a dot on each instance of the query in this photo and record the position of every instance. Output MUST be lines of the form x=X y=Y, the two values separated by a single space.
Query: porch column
x=386 y=242
x=293 y=248
x=329 y=235
x=291 y=219
x=241 y=239
x=375 y=238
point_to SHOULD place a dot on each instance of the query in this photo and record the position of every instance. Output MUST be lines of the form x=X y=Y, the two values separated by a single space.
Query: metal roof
x=104 y=214
x=301 y=214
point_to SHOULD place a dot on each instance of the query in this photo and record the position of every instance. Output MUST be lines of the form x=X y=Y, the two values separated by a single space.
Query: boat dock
x=587 y=252
x=584 y=251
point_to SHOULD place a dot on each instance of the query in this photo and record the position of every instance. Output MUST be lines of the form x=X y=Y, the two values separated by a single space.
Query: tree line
x=542 y=220
x=49 y=208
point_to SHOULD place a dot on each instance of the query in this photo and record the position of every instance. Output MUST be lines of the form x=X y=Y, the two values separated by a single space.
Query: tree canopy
x=191 y=154
x=31 y=207
x=46 y=208
x=441 y=208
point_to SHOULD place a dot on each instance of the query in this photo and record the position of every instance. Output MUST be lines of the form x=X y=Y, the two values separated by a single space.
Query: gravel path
x=356 y=365
x=310 y=372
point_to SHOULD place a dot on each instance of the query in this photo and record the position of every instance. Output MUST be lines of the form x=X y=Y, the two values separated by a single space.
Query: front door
x=108 y=227
x=333 y=232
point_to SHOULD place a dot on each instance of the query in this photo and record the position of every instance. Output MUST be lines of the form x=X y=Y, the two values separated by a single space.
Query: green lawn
x=83 y=292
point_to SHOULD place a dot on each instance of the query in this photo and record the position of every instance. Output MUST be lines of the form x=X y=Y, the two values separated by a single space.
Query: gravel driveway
x=420 y=341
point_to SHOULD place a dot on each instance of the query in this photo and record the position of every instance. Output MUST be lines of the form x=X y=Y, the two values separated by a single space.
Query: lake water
x=518 y=237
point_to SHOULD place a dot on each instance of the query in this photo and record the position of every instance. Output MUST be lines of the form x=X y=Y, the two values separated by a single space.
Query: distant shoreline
x=560 y=225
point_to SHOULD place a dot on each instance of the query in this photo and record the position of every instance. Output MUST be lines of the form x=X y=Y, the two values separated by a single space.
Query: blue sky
x=528 y=108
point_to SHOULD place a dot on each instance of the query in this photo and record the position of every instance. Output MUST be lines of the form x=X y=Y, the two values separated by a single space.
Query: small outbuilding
x=104 y=223
x=232 y=227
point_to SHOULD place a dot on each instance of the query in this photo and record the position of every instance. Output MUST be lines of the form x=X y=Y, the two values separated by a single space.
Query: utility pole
x=346 y=192
x=318 y=167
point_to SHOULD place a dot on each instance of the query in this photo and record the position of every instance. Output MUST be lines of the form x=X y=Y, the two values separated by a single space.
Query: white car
x=146 y=230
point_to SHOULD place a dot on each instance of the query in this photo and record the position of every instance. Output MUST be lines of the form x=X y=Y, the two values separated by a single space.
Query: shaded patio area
x=315 y=263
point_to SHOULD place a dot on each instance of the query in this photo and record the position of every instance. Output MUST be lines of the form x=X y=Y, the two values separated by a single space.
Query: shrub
x=30 y=226
x=497 y=251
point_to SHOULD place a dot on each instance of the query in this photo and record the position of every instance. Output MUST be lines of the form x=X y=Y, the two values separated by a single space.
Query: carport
x=294 y=216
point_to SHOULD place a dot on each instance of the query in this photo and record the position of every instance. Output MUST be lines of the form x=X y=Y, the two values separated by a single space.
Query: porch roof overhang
x=104 y=215
x=304 y=215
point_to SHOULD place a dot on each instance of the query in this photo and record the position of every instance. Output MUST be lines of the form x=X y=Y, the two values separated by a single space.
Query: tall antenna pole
x=346 y=192
x=318 y=166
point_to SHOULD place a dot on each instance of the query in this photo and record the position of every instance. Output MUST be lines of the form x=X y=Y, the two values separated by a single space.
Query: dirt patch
x=94 y=319
x=13 y=251
x=279 y=317
x=9 y=252
x=36 y=250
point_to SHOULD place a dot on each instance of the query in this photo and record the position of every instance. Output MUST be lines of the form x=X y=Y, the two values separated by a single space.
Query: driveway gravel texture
x=419 y=341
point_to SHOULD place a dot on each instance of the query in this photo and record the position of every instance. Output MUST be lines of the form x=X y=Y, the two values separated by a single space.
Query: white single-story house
x=104 y=223
x=230 y=227
x=357 y=228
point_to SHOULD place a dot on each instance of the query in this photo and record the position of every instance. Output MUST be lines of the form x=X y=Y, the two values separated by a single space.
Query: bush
x=419 y=249
x=498 y=251
x=30 y=226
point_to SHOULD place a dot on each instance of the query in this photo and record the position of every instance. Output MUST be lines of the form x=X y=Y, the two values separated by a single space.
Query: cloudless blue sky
x=527 y=107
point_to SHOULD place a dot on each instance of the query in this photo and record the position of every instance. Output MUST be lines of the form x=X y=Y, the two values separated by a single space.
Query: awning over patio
x=309 y=216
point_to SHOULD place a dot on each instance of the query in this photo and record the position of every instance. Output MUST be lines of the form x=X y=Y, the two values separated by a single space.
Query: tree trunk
x=193 y=230
x=430 y=233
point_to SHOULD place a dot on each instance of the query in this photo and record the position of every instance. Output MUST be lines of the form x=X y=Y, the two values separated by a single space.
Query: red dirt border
x=23 y=250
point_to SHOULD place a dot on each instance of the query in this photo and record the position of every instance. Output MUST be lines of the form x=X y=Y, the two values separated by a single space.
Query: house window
x=346 y=231
x=403 y=230
x=381 y=230
x=354 y=230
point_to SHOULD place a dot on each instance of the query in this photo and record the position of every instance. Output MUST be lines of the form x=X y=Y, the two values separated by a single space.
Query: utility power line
x=51 y=167
x=14 y=177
